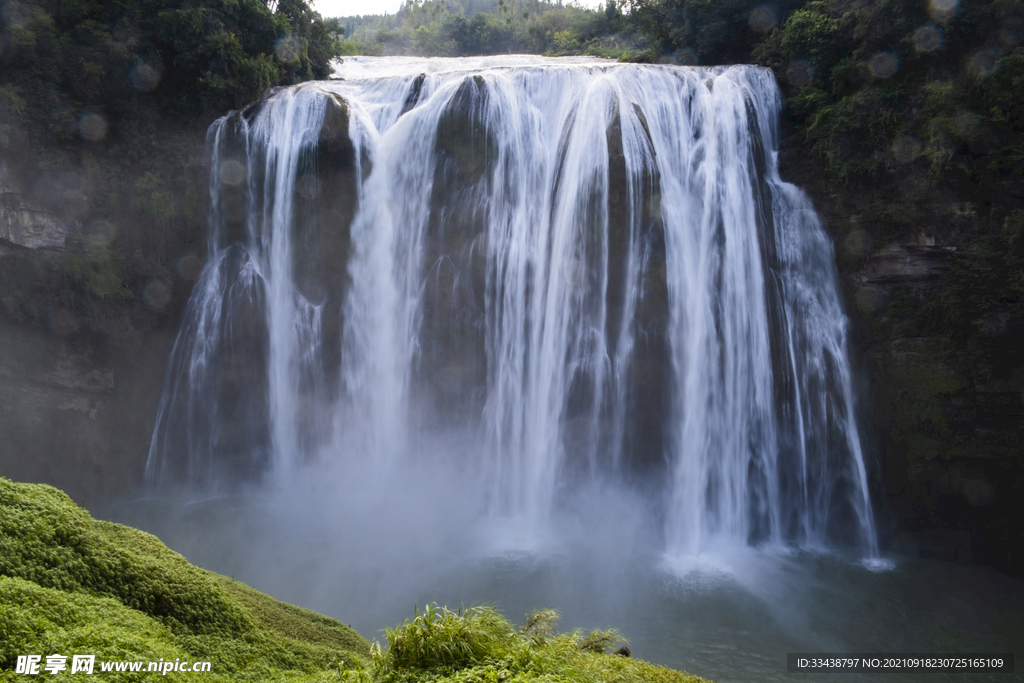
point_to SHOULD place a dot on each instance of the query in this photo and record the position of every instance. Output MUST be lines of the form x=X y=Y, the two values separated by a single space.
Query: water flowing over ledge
x=582 y=270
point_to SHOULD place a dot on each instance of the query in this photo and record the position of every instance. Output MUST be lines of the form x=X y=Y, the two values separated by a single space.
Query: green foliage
x=322 y=637
x=812 y=32
x=1002 y=125
x=442 y=638
x=881 y=84
x=69 y=582
x=452 y=28
x=478 y=645
x=48 y=540
x=71 y=57
x=46 y=620
x=94 y=267
x=706 y=31
x=875 y=85
x=11 y=106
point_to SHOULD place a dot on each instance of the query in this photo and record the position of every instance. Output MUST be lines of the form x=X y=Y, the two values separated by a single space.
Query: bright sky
x=347 y=8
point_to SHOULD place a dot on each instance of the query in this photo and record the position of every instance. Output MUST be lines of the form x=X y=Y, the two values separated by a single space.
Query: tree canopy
x=63 y=59
x=454 y=28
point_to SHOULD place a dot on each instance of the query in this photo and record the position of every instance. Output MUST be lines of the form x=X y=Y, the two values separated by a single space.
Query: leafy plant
x=479 y=645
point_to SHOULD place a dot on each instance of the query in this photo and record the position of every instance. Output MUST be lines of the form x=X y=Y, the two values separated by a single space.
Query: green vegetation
x=703 y=32
x=454 y=28
x=70 y=584
x=926 y=94
x=64 y=58
x=478 y=645
x=879 y=86
x=885 y=85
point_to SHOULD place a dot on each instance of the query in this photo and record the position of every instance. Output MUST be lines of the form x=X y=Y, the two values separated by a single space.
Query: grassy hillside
x=70 y=585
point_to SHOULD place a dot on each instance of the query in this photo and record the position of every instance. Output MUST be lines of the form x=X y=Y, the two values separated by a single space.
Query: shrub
x=478 y=645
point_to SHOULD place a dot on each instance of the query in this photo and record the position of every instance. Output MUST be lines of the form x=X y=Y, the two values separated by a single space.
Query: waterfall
x=591 y=270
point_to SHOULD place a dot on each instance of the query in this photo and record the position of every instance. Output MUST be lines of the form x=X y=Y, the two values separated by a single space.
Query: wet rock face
x=949 y=441
x=80 y=370
x=413 y=96
x=72 y=417
x=918 y=267
x=949 y=449
x=648 y=375
x=325 y=201
x=230 y=209
x=453 y=361
x=25 y=224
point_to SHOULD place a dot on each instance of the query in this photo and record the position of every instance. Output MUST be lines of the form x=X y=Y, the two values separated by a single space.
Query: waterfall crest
x=592 y=270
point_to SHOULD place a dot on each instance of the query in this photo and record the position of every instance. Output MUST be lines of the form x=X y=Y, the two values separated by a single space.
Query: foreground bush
x=478 y=645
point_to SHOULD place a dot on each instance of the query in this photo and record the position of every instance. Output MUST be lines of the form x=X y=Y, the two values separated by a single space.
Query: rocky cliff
x=98 y=254
x=24 y=224
x=933 y=330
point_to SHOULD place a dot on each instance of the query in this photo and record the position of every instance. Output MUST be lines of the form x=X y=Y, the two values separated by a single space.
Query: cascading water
x=592 y=270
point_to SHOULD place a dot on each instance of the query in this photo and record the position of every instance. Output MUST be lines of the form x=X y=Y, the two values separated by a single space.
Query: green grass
x=478 y=645
x=37 y=620
x=70 y=584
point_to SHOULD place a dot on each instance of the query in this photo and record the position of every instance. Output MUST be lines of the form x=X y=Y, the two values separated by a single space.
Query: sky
x=347 y=8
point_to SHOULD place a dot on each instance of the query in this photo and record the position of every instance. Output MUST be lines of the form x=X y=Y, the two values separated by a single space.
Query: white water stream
x=580 y=270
